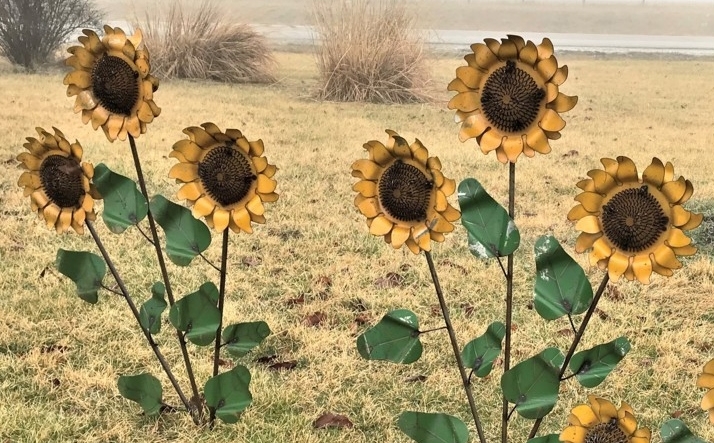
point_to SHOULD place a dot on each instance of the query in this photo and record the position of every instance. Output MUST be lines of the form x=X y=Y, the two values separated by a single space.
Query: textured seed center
x=405 y=192
x=633 y=219
x=61 y=178
x=115 y=84
x=511 y=98
x=226 y=174
x=606 y=433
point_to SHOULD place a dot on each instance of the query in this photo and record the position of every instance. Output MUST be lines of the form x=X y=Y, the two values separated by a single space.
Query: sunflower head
x=225 y=177
x=634 y=225
x=57 y=182
x=111 y=81
x=706 y=380
x=601 y=422
x=402 y=192
x=508 y=97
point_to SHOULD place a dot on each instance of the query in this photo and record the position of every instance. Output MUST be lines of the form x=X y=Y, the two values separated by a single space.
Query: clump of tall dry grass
x=369 y=51
x=205 y=44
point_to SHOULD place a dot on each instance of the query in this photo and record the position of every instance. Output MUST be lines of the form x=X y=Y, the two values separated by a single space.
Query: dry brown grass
x=60 y=357
x=203 y=43
x=369 y=51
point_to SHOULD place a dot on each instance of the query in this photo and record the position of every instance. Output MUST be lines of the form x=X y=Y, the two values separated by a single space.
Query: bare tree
x=30 y=30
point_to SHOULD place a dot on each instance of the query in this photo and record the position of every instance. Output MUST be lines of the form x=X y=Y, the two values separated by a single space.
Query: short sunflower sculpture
x=57 y=181
x=112 y=82
x=403 y=194
x=600 y=422
x=508 y=97
x=634 y=225
x=226 y=179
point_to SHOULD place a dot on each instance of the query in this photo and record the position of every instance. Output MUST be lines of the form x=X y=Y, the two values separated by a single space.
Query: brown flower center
x=405 y=192
x=633 y=219
x=511 y=98
x=226 y=174
x=61 y=178
x=115 y=84
x=606 y=433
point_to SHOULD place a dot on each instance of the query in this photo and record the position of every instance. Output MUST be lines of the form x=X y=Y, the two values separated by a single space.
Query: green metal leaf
x=550 y=438
x=394 y=338
x=592 y=366
x=423 y=427
x=85 y=269
x=480 y=352
x=675 y=431
x=228 y=393
x=186 y=237
x=532 y=385
x=144 y=389
x=197 y=315
x=561 y=286
x=240 y=338
x=151 y=310
x=491 y=231
x=124 y=205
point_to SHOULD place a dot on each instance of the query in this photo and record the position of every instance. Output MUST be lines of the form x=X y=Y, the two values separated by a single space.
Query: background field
x=60 y=357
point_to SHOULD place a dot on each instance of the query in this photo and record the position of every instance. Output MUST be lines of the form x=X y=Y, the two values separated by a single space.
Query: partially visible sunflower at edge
x=225 y=177
x=112 y=83
x=601 y=422
x=634 y=226
x=57 y=181
x=706 y=380
x=403 y=192
x=508 y=97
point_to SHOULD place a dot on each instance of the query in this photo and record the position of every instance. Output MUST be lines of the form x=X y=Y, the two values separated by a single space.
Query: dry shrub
x=205 y=44
x=369 y=51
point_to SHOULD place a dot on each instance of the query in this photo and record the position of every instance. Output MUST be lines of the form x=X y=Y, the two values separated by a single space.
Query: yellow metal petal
x=561 y=74
x=241 y=218
x=513 y=147
x=626 y=170
x=551 y=121
x=602 y=182
x=709 y=367
x=64 y=221
x=437 y=236
x=610 y=165
x=132 y=125
x=440 y=224
x=490 y=140
x=441 y=203
x=380 y=225
x=189 y=191
x=39 y=199
x=674 y=190
x=577 y=212
x=473 y=126
x=694 y=221
x=51 y=213
x=465 y=101
x=687 y=193
x=616 y=267
x=203 y=206
x=190 y=150
x=668 y=172
x=366 y=169
x=185 y=172
x=412 y=245
x=199 y=136
x=367 y=188
x=433 y=163
x=573 y=434
x=642 y=268
x=221 y=219
x=546 y=67
x=379 y=153
x=266 y=185
x=601 y=250
x=508 y=50
x=492 y=44
x=113 y=126
x=654 y=173
x=100 y=115
x=585 y=415
x=529 y=53
x=518 y=40
x=369 y=207
x=399 y=236
x=551 y=92
x=470 y=77
x=677 y=239
x=708 y=400
x=563 y=103
x=591 y=201
x=255 y=206
x=81 y=79
x=705 y=381
x=585 y=241
x=256 y=148
x=589 y=224
x=448 y=187
x=627 y=423
x=484 y=56
x=545 y=49
x=684 y=250
x=664 y=256
x=537 y=140
x=451 y=214
x=457 y=85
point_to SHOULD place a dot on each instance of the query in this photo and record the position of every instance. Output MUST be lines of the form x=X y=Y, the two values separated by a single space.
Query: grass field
x=60 y=357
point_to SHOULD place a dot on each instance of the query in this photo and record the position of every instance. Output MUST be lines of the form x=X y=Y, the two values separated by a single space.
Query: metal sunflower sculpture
x=508 y=97
x=112 y=83
x=706 y=380
x=601 y=422
x=633 y=225
x=57 y=181
x=402 y=192
x=225 y=177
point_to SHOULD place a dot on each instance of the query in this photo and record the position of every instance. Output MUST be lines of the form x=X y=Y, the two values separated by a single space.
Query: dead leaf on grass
x=251 y=260
x=315 y=319
x=415 y=378
x=284 y=365
x=391 y=280
x=330 y=420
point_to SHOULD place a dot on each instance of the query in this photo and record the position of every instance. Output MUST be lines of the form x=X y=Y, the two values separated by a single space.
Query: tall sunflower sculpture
x=508 y=97
x=57 y=181
x=112 y=83
x=225 y=177
x=601 y=422
x=634 y=225
x=402 y=193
